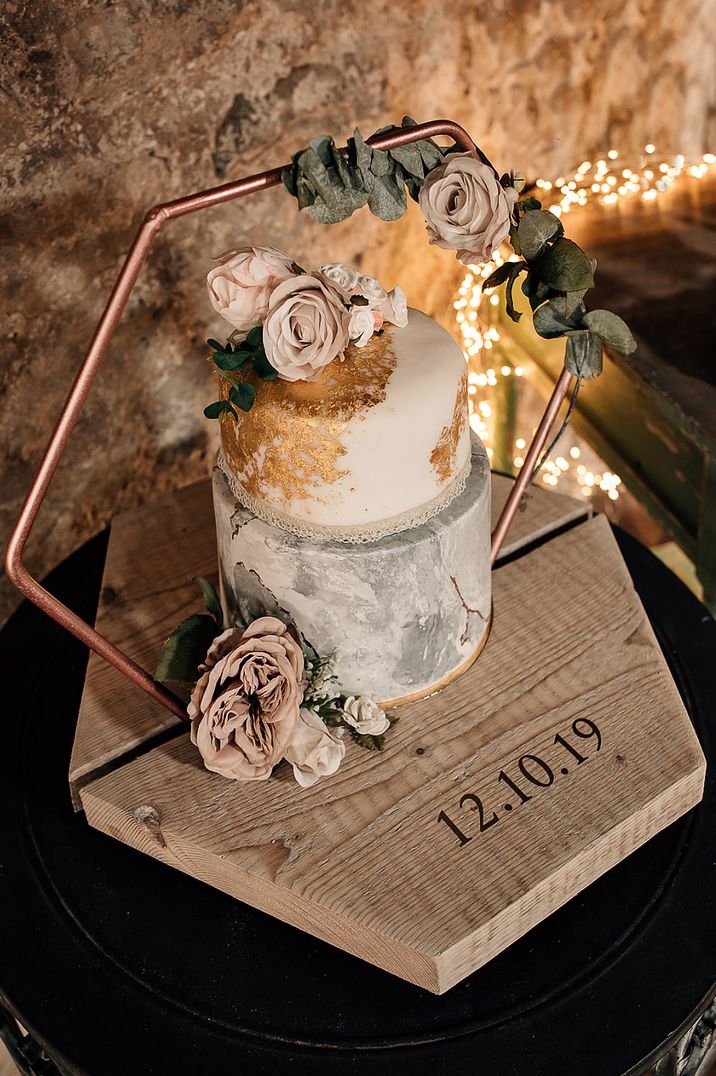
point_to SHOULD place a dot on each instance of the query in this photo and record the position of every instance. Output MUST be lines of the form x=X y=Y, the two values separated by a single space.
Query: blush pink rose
x=306 y=328
x=245 y=707
x=466 y=208
x=313 y=751
x=240 y=287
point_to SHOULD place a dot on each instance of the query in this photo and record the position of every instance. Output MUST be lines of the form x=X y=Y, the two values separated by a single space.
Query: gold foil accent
x=444 y=456
x=288 y=444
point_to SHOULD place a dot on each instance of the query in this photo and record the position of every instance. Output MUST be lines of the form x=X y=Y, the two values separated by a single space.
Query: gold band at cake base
x=356 y=533
x=433 y=689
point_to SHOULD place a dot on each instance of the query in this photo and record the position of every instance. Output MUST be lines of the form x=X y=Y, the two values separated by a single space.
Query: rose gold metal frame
x=144 y=240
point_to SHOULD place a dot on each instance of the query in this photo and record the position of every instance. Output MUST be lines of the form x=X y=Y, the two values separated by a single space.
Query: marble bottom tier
x=401 y=616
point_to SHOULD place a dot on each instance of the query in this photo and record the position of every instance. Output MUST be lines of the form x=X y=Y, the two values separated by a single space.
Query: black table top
x=122 y=965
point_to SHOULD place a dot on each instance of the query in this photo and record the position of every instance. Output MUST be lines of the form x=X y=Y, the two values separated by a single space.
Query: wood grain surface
x=365 y=861
x=154 y=552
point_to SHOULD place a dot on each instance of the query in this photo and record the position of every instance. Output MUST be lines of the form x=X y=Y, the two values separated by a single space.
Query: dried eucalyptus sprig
x=331 y=187
x=229 y=360
x=558 y=275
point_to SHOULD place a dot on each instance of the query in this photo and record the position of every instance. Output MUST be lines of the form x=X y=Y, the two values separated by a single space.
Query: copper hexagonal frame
x=144 y=240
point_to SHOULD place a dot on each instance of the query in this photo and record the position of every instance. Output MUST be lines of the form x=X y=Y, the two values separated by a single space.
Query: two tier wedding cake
x=352 y=504
x=352 y=499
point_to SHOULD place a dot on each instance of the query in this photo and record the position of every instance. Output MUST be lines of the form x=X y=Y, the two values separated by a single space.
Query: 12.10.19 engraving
x=530 y=768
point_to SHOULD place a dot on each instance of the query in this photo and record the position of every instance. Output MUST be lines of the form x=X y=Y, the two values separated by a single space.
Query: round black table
x=117 y=964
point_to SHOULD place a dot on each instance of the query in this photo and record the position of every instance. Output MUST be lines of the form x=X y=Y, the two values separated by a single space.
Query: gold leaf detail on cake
x=288 y=445
x=444 y=456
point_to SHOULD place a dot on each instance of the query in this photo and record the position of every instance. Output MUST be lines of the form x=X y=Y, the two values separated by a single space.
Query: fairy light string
x=610 y=181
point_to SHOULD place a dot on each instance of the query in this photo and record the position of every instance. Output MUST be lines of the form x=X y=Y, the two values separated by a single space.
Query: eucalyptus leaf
x=515 y=269
x=552 y=318
x=263 y=367
x=254 y=337
x=410 y=157
x=535 y=290
x=234 y=360
x=211 y=598
x=573 y=301
x=498 y=276
x=381 y=163
x=565 y=267
x=213 y=410
x=535 y=230
x=370 y=743
x=386 y=199
x=243 y=396
x=215 y=345
x=185 y=648
x=611 y=330
x=583 y=355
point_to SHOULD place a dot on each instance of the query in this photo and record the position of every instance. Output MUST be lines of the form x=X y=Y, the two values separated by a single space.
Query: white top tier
x=378 y=444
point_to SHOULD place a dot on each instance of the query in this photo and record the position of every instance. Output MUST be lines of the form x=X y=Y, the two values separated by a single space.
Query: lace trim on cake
x=357 y=533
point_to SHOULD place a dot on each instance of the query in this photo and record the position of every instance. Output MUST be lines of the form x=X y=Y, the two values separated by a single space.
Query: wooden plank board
x=154 y=552
x=494 y=801
x=147 y=589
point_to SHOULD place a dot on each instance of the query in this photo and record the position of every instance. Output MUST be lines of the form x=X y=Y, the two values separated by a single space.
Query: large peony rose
x=245 y=706
x=313 y=752
x=305 y=329
x=240 y=288
x=466 y=208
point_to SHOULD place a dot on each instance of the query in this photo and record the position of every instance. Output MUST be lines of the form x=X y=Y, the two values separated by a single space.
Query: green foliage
x=185 y=648
x=373 y=743
x=211 y=598
x=611 y=330
x=230 y=359
x=187 y=645
x=583 y=356
x=558 y=274
x=331 y=186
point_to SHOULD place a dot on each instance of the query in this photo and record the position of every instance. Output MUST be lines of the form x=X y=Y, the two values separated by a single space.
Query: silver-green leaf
x=583 y=356
x=185 y=648
x=535 y=230
x=611 y=330
x=565 y=267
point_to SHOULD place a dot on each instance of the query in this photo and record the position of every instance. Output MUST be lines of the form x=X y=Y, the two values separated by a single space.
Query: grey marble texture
x=399 y=615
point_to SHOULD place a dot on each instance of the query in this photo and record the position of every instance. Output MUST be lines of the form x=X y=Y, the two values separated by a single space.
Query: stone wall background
x=109 y=107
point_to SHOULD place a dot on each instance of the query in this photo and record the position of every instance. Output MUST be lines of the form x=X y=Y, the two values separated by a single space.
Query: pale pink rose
x=306 y=328
x=365 y=716
x=245 y=707
x=395 y=308
x=466 y=208
x=313 y=752
x=240 y=287
x=378 y=320
x=341 y=278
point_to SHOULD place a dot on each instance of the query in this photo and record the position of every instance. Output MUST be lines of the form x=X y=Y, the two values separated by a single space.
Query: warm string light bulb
x=609 y=180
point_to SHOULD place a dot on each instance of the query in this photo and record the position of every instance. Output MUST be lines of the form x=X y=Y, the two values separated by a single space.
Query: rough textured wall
x=109 y=107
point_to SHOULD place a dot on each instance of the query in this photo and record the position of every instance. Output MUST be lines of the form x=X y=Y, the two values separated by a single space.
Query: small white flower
x=371 y=290
x=365 y=716
x=341 y=278
x=395 y=308
x=361 y=325
x=313 y=752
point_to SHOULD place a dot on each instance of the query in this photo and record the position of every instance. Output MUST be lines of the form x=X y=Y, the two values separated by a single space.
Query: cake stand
x=496 y=800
